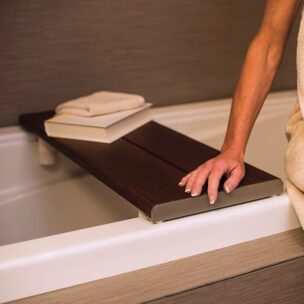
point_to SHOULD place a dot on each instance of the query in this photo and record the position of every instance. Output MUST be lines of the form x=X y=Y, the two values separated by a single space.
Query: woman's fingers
x=236 y=175
x=213 y=170
x=191 y=181
x=184 y=180
x=200 y=180
x=213 y=182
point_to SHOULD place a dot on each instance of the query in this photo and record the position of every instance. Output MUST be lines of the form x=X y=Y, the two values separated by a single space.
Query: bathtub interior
x=38 y=201
x=72 y=204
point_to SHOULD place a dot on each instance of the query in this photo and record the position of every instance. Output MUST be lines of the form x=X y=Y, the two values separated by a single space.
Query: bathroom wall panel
x=278 y=284
x=170 y=51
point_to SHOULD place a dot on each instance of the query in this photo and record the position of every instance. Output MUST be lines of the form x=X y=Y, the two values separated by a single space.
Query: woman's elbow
x=271 y=47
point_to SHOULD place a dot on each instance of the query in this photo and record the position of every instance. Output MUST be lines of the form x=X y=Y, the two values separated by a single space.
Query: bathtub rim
x=29 y=256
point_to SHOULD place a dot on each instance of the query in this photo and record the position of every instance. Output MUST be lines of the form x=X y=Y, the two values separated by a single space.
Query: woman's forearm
x=258 y=71
x=257 y=74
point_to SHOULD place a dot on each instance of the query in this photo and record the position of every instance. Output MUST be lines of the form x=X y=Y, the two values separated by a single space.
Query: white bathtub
x=60 y=227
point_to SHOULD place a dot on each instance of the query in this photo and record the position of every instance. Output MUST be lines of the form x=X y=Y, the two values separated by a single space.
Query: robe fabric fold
x=294 y=155
x=294 y=161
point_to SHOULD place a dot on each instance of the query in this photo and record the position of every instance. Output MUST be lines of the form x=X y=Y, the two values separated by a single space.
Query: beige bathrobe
x=294 y=156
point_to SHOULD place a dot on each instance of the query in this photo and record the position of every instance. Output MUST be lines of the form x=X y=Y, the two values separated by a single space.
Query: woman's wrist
x=233 y=150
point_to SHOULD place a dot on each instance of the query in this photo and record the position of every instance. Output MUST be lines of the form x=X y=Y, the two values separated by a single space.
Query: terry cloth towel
x=100 y=103
x=294 y=155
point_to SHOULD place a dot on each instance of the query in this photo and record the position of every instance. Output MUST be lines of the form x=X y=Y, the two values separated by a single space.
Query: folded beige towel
x=294 y=161
x=100 y=103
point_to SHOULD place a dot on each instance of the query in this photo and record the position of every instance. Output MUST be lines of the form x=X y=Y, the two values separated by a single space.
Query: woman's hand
x=226 y=163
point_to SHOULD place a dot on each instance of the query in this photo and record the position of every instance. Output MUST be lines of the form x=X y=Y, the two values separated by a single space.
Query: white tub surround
x=112 y=240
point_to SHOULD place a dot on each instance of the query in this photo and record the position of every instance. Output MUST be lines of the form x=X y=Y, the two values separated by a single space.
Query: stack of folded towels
x=101 y=117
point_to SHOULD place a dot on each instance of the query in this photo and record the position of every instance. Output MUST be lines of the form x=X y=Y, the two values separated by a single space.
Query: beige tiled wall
x=171 y=51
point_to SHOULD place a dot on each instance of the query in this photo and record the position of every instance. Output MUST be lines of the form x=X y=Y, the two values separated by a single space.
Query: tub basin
x=60 y=227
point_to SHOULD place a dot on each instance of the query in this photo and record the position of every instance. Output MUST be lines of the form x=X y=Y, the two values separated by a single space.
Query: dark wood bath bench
x=146 y=165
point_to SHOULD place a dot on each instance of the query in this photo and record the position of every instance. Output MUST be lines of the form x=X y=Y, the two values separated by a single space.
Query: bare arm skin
x=258 y=71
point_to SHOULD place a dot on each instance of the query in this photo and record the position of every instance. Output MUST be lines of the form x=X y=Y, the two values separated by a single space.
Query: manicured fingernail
x=211 y=200
x=227 y=188
x=194 y=194
x=187 y=190
x=180 y=183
